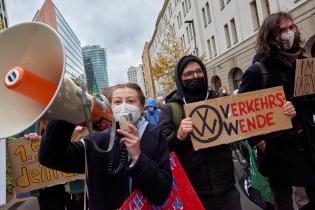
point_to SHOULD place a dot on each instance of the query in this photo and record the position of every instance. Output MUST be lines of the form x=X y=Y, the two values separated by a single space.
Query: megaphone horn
x=32 y=65
x=25 y=82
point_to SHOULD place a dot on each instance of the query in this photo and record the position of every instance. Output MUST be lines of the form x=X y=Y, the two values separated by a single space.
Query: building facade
x=95 y=59
x=89 y=72
x=132 y=74
x=140 y=79
x=148 y=77
x=136 y=75
x=3 y=15
x=49 y=14
x=224 y=32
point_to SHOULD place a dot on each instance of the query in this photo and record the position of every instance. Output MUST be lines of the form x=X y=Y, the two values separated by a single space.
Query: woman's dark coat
x=290 y=155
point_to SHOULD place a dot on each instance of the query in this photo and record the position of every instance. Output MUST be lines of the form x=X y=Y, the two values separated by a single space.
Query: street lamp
x=194 y=34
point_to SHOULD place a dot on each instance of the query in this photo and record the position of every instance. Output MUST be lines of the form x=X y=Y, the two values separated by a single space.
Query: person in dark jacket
x=286 y=157
x=210 y=170
x=148 y=167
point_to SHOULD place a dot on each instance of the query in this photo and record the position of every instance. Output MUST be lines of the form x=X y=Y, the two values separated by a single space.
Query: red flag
x=182 y=196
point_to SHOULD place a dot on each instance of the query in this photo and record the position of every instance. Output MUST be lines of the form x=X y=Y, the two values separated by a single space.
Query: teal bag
x=258 y=181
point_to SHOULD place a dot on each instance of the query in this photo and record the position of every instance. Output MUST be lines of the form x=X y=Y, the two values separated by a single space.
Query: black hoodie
x=181 y=90
x=210 y=170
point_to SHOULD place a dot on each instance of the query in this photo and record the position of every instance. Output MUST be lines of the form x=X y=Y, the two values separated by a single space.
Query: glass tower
x=50 y=15
x=95 y=63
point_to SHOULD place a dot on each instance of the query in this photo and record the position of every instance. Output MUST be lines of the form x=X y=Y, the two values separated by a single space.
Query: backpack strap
x=264 y=73
x=177 y=114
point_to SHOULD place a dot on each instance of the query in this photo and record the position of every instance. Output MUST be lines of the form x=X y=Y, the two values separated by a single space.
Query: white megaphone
x=32 y=67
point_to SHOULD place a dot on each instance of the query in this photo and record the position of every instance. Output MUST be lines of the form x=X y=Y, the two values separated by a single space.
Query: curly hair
x=267 y=39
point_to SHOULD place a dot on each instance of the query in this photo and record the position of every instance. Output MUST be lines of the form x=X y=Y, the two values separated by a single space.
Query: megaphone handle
x=87 y=113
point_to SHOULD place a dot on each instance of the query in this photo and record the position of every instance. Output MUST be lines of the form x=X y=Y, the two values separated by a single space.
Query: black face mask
x=194 y=85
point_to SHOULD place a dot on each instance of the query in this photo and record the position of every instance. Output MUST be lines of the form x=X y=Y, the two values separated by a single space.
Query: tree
x=170 y=52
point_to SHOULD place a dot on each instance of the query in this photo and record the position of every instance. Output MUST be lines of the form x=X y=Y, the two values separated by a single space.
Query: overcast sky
x=121 y=26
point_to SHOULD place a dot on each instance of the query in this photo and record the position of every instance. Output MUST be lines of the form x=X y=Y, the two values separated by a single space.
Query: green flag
x=95 y=87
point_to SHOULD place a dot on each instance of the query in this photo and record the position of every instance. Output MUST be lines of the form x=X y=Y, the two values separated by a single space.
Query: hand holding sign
x=225 y=120
x=289 y=110
x=32 y=136
x=185 y=127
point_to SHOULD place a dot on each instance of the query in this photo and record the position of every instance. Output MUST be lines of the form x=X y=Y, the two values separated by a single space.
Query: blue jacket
x=153 y=118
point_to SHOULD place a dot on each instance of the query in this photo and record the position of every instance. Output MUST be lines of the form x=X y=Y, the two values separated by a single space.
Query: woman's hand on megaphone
x=132 y=141
x=79 y=129
x=32 y=136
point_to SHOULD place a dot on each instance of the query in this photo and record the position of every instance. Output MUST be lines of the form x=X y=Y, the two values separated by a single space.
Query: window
x=237 y=78
x=313 y=50
x=180 y=19
x=216 y=81
x=209 y=48
x=214 y=46
x=3 y=5
x=227 y=35
x=204 y=17
x=184 y=9
x=208 y=12
x=184 y=43
x=190 y=31
x=178 y=22
x=221 y=4
x=170 y=10
x=186 y=6
x=188 y=36
x=254 y=13
x=234 y=32
x=265 y=8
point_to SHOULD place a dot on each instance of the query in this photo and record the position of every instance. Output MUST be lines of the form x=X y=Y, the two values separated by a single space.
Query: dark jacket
x=289 y=155
x=210 y=170
x=151 y=173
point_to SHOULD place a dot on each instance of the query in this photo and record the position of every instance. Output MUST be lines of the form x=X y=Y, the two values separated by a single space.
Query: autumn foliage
x=171 y=50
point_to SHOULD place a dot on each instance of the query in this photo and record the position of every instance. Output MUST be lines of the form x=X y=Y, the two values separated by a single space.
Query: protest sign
x=27 y=172
x=2 y=173
x=182 y=195
x=304 y=83
x=232 y=118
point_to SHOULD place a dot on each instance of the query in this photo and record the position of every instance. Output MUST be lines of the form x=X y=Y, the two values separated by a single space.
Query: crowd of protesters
x=287 y=158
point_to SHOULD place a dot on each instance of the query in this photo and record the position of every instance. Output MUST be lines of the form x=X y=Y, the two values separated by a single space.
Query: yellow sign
x=27 y=172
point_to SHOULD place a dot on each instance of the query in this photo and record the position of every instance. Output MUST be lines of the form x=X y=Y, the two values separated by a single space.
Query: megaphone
x=32 y=84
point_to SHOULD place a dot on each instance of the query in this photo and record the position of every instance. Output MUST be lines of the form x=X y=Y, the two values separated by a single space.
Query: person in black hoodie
x=210 y=170
x=286 y=157
x=148 y=168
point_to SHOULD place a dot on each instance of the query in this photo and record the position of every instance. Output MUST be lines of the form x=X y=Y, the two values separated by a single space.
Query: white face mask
x=287 y=40
x=127 y=110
